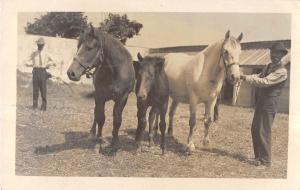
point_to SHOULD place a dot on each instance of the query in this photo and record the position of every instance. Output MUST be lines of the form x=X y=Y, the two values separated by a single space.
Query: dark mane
x=153 y=59
x=113 y=49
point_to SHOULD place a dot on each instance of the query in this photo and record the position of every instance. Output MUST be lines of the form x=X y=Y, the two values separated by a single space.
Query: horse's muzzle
x=72 y=76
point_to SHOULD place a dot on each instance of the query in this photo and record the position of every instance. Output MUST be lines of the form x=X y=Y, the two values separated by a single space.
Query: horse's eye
x=89 y=48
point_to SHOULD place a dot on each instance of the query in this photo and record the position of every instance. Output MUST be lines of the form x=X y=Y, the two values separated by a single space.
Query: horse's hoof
x=190 y=148
x=163 y=152
x=92 y=136
x=170 y=132
x=151 y=143
x=205 y=143
x=138 y=150
x=100 y=149
x=115 y=145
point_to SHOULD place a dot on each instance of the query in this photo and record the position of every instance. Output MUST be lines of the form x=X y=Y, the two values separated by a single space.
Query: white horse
x=199 y=79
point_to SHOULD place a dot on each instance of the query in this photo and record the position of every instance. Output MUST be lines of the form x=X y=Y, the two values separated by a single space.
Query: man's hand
x=28 y=65
x=242 y=77
x=49 y=65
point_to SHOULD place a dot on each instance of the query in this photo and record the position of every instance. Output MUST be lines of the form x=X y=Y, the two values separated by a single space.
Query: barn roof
x=257 y=58
x=254 y=54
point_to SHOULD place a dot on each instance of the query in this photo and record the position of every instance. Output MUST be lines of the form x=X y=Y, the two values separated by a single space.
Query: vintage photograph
x=153 y=94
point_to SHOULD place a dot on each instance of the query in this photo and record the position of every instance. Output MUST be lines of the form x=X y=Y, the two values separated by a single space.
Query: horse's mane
x=112 y=47
x=153 y=58
x=212 y=47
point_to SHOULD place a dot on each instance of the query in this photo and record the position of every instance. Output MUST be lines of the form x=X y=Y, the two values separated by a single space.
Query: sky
x=167 y=29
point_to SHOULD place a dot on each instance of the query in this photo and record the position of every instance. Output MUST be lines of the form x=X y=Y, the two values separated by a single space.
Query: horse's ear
x=240 y=37
x=139 y=56
x=161 y=64
x=92 y=30
x=136 y=66
x=227 y=34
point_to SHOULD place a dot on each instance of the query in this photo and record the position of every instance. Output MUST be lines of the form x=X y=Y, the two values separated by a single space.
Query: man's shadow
x=226 y=153
x=82 y=140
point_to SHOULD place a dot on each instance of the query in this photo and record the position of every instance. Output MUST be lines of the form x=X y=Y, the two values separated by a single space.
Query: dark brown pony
x=152 y=90
x=114 y=76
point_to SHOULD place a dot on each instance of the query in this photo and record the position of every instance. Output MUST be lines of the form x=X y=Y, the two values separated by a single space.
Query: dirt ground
x=57 y=143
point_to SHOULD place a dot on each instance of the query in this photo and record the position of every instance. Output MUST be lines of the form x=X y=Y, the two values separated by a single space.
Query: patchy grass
x=56 y=142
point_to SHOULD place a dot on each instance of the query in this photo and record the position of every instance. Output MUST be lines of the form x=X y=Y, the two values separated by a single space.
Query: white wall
x=63 y=51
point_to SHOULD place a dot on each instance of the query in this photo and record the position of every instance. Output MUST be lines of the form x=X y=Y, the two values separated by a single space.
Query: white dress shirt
x=40 y=59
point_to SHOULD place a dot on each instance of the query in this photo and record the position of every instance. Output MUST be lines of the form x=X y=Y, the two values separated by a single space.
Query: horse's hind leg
x=171 y=116
x=117 y=119
x=155 y=129
x=209 y=110
x=192 y=123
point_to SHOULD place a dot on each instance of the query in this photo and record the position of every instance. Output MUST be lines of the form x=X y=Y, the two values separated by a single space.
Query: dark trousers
x=39 y=83
x=261 y=129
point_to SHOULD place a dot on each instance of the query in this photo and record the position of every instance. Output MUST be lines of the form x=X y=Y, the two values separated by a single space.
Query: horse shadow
x=73 y=140
x=172 y=144
x=82 y=140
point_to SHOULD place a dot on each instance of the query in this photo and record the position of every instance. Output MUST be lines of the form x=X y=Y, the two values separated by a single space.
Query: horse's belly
x=175 y=67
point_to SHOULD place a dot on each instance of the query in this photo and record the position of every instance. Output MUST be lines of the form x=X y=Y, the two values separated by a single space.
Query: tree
x=64 y=24
x=120 y=27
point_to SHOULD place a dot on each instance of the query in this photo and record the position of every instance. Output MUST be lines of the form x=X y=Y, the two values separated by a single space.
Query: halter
x=87 y=70
x=222 y=57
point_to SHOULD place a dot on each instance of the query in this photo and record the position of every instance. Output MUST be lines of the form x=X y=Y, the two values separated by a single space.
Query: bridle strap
x=99 y=57
x=222 y=57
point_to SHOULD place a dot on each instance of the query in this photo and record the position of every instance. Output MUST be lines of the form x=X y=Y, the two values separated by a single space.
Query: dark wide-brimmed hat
x=40 y=41
x=278 y=46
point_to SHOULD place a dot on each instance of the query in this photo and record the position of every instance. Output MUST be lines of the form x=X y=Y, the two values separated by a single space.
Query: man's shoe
x=263 y=166
x=255 y=161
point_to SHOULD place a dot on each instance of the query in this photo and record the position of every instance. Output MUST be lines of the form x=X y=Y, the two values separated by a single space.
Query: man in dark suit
x=269 y=84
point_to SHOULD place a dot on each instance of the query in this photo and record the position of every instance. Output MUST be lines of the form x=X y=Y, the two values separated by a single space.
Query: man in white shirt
x=40 y=61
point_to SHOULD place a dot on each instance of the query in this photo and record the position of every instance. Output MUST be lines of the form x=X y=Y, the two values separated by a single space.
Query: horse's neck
x=213 y=63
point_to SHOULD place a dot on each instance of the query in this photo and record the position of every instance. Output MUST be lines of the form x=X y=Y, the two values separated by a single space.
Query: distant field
x=56 y=143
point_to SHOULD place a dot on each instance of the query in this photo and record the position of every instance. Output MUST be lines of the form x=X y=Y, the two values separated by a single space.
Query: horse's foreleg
x=152 y=118
x=171 y=116
x=209 y=111
x=156 y=123
x=141 y=115
x=162 y=125
x=99 y=118
x=117 y=119
x=93 y=129
x=192 y=123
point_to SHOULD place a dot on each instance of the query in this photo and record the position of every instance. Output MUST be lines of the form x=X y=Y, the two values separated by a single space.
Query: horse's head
x=89 y=54
x=146 y=70
x=230 y=53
